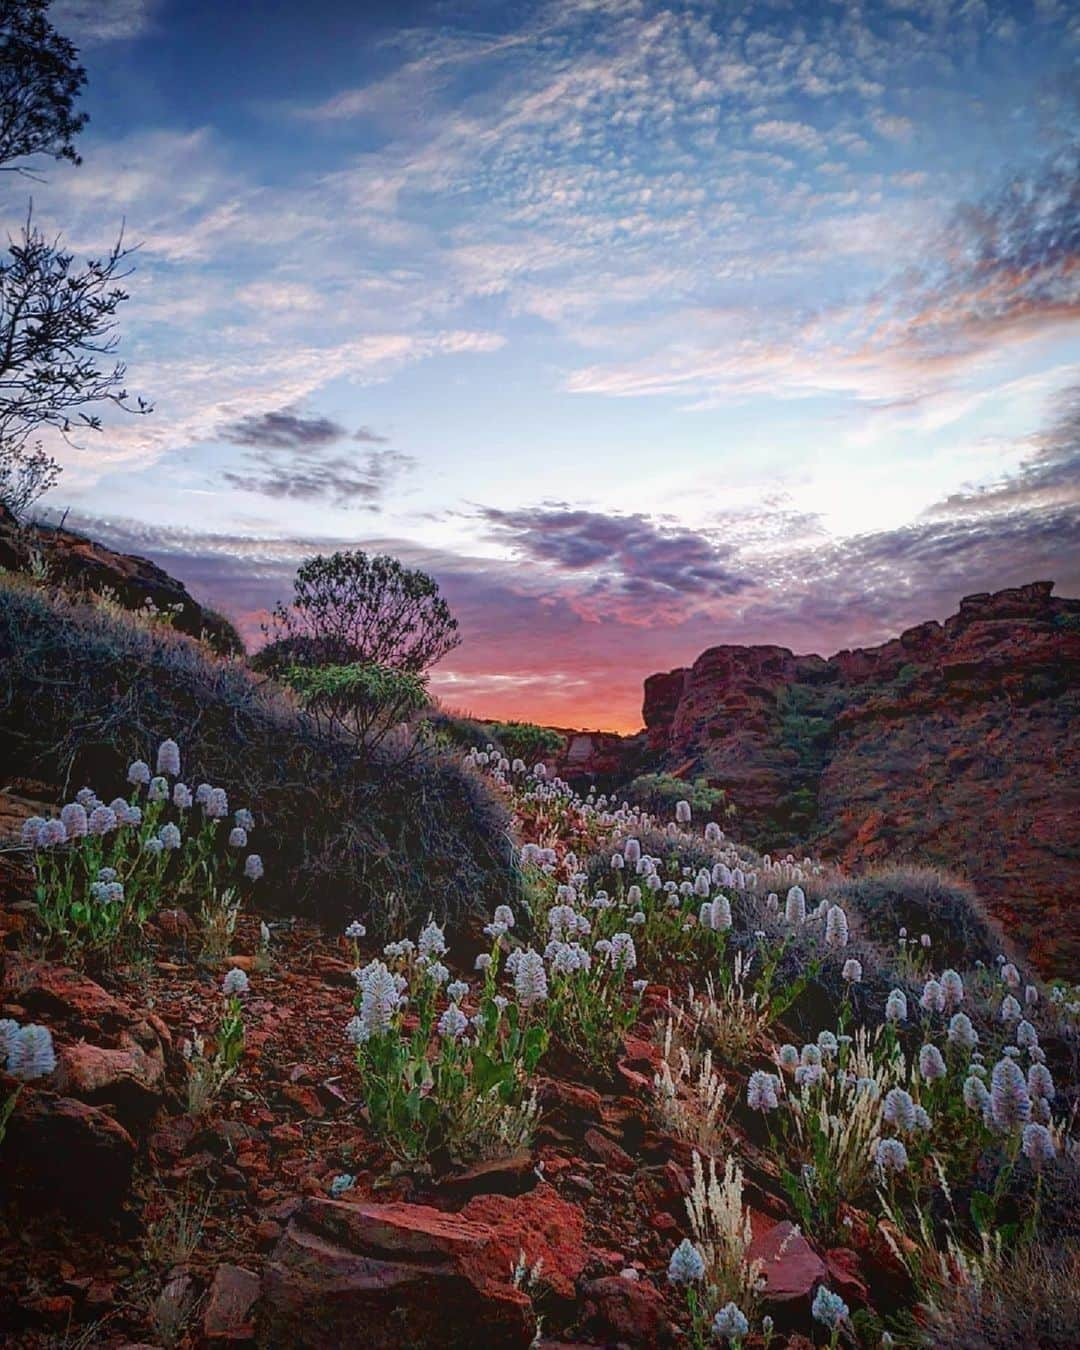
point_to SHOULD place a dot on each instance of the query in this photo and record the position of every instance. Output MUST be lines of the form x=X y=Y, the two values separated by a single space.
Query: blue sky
x=643 y=326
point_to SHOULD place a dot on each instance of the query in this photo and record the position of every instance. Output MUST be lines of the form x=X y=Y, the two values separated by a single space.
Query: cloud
x=635 y=567
x=284 y=430
x=1048 y=478
x=892 y=127
x=796 y=135
x=89 y=21
x=336 y=479
x=291 y=460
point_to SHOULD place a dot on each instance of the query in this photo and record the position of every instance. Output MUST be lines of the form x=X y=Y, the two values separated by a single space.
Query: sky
x=642 y=326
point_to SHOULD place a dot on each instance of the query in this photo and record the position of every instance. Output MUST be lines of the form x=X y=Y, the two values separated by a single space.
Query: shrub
x=527 y=741
x=360 y=702
x=1031 y=1298
x=82 y=692
x=659 y=792
x=220 y=634
x=453 y=729
x=924 y=900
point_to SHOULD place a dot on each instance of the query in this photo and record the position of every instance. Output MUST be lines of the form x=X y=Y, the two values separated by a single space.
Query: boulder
x=628 y=1312
x=389 y=1275
x=128 y=1079
x=791 y=1267
x=68 y=1153
x=65 y=996
x=539 y=1226
x=497 y=1176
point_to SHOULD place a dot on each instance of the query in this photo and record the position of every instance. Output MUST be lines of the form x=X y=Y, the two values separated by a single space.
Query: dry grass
x=1030 y=1298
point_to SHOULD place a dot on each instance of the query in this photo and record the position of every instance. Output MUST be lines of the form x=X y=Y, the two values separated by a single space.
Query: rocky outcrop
x=79 y=565
x=955 y=744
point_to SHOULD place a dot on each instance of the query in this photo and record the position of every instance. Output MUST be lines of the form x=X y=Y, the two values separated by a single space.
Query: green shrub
x=526 y=740
x=82 y=692
x=453 y=730
x=923 y=900
x=360 y=702
x=658 y=793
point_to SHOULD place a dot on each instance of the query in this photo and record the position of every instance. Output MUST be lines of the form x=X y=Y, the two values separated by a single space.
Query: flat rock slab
x=387 y=1276
x=792 y=1268
x=229 y=1307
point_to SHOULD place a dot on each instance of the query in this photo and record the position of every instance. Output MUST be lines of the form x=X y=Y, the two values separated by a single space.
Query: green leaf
x=982 y=1211
x=486 y=1073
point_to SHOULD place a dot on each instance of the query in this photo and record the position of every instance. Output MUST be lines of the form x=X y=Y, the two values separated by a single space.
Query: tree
x=352 y=609
x=40 y=79
x=57 y=321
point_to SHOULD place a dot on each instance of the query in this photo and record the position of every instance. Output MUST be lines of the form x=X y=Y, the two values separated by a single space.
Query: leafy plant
x=430 y=1090
x=362 y=702
x=659 y=792
x=102 y=870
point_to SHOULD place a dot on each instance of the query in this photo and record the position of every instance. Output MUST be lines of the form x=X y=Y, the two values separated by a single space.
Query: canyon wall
x=956 y=743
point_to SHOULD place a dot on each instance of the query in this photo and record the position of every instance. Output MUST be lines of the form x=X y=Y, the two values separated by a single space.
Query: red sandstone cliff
x=957 y=743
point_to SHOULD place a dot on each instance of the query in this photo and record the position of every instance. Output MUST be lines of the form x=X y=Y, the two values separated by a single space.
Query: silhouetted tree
x=40 y=78
x=57 y=321
x=352 y=609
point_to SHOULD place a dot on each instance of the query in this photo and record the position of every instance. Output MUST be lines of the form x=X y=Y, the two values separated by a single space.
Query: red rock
x=267 y=1232
x=74 y=1154
x=56 y=1309
x=630 y=1312
x=307 y=1099
x=791 y=1266
x=332 y=970
x=129 y=1079
x=567 y=1103
x=500 y=1176
x=608 y=1152
x=175 y=923
x=845 y=1275
x=228 y=1315
x=540 y=1225
x=173 y=1139
x=65 y=996
x=405 y=1274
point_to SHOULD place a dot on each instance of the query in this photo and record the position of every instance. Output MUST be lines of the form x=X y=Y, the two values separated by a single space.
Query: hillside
x=956 y=743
